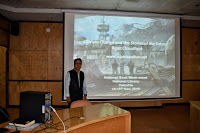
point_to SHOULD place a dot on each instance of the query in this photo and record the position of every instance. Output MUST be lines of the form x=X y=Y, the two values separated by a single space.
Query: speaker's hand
x=85 y=97
x=68 y=100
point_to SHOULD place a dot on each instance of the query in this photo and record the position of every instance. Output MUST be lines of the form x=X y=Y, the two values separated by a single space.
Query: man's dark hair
x=77 y=59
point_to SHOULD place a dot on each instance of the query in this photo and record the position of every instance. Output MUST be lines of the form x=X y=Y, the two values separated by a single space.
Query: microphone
x=10 y=121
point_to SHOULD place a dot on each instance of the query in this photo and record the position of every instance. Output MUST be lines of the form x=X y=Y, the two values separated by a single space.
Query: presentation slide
x=126 y=57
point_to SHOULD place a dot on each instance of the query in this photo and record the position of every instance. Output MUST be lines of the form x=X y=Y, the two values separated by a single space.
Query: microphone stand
x=10 y=121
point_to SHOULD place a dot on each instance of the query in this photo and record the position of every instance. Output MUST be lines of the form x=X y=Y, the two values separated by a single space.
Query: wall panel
x=5 y=24
x=37 y=55
x=16 y=87
x=191 y=91
x=56 y=89
x=14 y=63
x=4 y=36
x=14 y=93
x=55 y=37
x=33 y=86
x=3 y=76
x=4 y=40
x=33 y=65
x=190 y=54
x=14 y=43
x=55 y=65
x=191 y=66
x=33 y=36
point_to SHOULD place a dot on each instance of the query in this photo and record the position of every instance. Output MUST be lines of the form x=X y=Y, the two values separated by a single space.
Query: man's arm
x=67 y=83
x=84 y=88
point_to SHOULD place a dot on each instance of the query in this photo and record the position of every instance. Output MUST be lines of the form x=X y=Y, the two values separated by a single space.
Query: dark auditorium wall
x=36 y=63
x=4 y=40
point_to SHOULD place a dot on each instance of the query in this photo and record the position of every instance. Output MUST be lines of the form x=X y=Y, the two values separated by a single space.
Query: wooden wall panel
x=27 y=65
x=3 y=76
x=190 y=54
x=4 y=36
x=14 y=43
x=56 y=37
x=15 y=88
x=37 y=55
x=14 y=63
x=34 y=86
x=33 y=65
x=56 y=89
x=5 y=24
x=4 y=40
x=191 y=67
x=55 y=65
x=191 y=91
x=33 y=36
x=14 y=93
x=191 y=41
x=33 y=42
x=55 y=51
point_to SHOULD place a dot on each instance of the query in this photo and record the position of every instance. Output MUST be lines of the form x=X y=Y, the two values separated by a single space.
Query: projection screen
x=125 y=57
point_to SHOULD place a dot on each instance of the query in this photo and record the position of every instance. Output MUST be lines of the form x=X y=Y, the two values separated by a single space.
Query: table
x=98 y=118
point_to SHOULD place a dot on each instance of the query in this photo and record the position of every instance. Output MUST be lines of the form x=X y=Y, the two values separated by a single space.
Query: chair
x=80 y=103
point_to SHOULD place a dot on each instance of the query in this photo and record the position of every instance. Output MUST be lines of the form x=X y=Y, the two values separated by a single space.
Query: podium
x=98 y=118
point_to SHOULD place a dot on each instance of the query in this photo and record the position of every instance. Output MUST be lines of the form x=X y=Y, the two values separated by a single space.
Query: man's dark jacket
x=76 y=92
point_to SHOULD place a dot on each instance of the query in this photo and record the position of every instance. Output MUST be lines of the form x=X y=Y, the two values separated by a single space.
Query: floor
x=173 y=118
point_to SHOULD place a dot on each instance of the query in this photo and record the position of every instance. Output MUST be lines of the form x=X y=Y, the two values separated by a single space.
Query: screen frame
x=178 y=48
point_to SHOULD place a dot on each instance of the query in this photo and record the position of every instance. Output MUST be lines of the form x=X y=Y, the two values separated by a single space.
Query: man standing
x=114 y=67
x=75 y=83
x=131 y=67
x=122 y=67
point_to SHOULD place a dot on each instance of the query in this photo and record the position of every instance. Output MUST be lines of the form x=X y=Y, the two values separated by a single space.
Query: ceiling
x=51 y=10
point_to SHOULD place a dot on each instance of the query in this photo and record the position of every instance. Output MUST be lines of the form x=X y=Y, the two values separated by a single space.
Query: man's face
x=77 y=65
